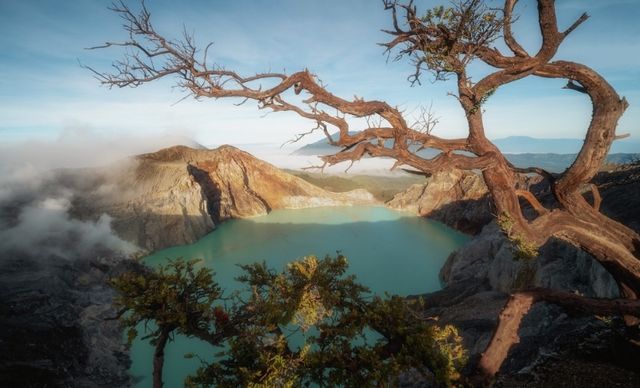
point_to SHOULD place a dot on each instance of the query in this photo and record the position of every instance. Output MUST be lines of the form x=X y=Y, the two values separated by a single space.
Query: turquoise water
x=389 y=251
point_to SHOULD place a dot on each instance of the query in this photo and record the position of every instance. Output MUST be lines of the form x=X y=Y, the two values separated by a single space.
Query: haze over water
x=389 y=251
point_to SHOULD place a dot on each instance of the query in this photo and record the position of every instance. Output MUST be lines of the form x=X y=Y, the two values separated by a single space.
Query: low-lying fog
x=35 y=204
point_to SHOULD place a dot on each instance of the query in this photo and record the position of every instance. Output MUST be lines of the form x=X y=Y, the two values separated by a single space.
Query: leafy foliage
x=175 y=297
x=522 y=248
x=448 y=38
x=346 y=336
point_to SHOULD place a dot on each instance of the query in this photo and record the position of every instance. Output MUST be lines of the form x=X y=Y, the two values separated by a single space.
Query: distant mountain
x=532 y=145
x=559 y=162
x=508 y=145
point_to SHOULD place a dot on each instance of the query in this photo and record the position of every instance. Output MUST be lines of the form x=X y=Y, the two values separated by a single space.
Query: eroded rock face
x=489 y=258
x=456 y=198
x=55 y=326
x=555 y=348
x=479 y=276
x=178 y=194
x=238 y=185
x=620 y=190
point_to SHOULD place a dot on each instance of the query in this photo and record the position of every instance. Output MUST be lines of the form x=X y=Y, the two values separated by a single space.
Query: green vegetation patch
x=350 y=337
x=383 y=188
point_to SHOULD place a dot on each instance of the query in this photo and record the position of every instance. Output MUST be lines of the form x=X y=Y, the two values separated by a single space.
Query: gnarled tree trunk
x=519 y=304
x=443 y=42
x=158 y=357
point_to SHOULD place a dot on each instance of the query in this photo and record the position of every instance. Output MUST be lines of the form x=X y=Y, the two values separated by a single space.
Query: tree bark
x=158 y=358
x=519 y=304
x=574 y=220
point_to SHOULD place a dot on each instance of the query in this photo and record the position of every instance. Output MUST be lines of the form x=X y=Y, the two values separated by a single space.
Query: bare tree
x=442 y=41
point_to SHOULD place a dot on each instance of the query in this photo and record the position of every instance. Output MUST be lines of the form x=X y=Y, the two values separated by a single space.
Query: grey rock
x=54 y=329
x=456 y=198
x=555 y=347
x=488 y=257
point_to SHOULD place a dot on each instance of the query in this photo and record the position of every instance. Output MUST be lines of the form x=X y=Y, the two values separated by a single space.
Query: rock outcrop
x=489 y=258
x=620 y=191
x=55 y=326
x=456 y=198
x=179 y=194
x=555 y=347
x=238 y=185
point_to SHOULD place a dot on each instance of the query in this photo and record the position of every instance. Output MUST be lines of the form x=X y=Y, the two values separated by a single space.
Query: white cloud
x=80 y=146
x=45 y=228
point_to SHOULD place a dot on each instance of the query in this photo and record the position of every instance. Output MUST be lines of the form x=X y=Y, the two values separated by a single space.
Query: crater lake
x=388 y=251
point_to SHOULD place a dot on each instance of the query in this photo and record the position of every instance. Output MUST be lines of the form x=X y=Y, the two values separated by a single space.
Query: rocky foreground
x=58 y=326
x=556 y=348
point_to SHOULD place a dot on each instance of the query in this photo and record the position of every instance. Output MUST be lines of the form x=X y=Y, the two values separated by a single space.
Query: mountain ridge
x=178 y=194
x=516 y=144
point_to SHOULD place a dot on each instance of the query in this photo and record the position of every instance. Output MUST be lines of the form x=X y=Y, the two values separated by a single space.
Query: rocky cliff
x=555 y=348
x=456 y=198
x=178 y=194
x=56 y=321
x=489 y=258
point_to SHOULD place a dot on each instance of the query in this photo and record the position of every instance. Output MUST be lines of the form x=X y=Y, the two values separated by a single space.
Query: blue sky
x=45 y=94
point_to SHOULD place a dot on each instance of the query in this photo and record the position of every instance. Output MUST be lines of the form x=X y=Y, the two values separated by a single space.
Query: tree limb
x=537 y=206
x=513 y=45
x=519 y=304
x=597 y=199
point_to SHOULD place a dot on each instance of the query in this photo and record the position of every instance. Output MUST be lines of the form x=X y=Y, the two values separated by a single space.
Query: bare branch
x=534 y=170
x=443 y=41
x=575 y=24
x=509 y=19
x=519 y=305
x=597 y=198
x=426 y=120
x=298 y=137
x=537 y=206
x=201 y=80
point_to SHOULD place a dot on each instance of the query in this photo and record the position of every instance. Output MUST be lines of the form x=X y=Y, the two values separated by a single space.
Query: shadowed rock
x=556 y=348
x=54 y=321
x=178 y=194
x=456 y=198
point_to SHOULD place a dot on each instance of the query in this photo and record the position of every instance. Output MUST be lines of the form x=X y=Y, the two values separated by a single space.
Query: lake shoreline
x=388 y=251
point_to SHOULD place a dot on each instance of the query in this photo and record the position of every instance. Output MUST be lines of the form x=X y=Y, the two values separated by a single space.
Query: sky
x=45 y=94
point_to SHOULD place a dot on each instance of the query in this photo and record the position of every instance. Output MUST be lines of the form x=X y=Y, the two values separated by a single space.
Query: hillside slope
x=178 y=194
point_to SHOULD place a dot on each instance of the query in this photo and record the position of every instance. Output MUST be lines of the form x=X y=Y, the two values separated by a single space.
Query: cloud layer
x=36 y=204
x=45 y=228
